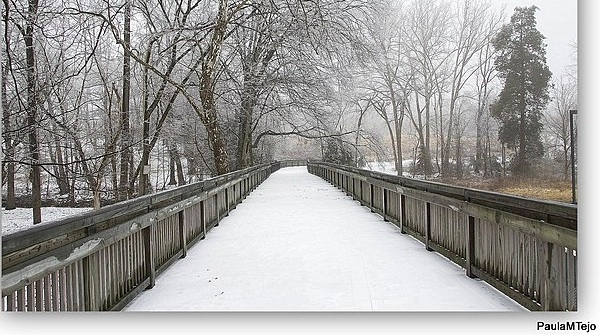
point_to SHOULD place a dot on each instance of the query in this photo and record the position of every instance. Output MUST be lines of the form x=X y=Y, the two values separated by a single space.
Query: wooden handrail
x=565 y=214
x=527 y=248
x=101 y=259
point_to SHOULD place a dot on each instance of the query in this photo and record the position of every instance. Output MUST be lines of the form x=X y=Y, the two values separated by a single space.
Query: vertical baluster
x=402 y=213
x=39 y=295
x=55 y=291
x=149 y=255
x=470 y=246
x=47 y=294
x=182 y=234
x=21 y=299
x=428 y=226
x=384 y=205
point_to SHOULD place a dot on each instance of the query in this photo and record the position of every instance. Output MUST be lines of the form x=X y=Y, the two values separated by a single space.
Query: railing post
x=149 y=255
x=470 y=257
x=182 y=233
x=217 y=209
x=427 y=226
x=360 y=189
x=227 y=200
x=402 y=213
x=236 y=191
x=384 y=206
x=203 y=218
x=371 y=197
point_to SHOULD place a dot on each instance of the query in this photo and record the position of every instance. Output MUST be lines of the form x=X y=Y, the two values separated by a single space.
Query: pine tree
x=521 y=63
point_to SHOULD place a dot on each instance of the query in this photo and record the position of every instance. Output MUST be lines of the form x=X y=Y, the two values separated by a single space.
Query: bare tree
x=425 y=35
x=286 y=51
x=8 y=168
x=557 y=117
x=474 y=26
x=167 y=30
x=125 y=143
x=388 y=68
x=484 y=78
x=25 y=18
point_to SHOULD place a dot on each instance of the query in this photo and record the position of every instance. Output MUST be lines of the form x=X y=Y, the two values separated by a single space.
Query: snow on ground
x=22 y=218
x=385 y=167
x=389 y=167
x=299 y=244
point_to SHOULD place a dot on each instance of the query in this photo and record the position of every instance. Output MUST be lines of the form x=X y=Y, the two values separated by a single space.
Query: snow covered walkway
x=299 y=244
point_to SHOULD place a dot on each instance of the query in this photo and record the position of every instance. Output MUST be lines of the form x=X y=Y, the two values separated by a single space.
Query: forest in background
x=108 y=100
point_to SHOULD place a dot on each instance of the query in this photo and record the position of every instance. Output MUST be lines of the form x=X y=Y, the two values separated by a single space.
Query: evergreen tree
x=521 y=63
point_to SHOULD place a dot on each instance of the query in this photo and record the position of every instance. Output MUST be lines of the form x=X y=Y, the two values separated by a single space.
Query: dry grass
x=531 y=188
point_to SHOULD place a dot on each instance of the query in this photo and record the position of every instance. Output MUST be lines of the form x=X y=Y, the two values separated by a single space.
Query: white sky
x=557 y=21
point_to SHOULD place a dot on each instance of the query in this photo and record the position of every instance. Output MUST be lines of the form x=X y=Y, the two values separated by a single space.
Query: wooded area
x=107 y=100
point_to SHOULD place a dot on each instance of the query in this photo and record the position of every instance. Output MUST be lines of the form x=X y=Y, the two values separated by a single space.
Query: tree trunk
x=479 y=145
x=179 y=166
x=244 y=147
x=125 y=132
x=423 y=162
x=521 y=163
x=399 y=158
x=192 y=167
x=59 y=169
x=144 y=177
x=218 y=144
x=208 y=114
x=459 y=164
x=172 y=178
x=9 y=150
x=32 y=104
x=398 y=120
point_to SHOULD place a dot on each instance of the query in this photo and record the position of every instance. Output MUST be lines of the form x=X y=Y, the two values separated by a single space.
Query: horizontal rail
x=100 y=260
x=526 y=248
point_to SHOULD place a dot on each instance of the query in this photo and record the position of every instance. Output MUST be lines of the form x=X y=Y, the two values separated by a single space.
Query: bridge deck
x=299 y=244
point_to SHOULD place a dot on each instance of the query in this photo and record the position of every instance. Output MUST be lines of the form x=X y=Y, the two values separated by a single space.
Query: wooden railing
x=525 y=248
x=289 y=163
x=100 y=260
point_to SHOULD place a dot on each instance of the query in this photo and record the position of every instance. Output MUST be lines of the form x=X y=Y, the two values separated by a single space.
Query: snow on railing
x=100 y=260
x=524 y=247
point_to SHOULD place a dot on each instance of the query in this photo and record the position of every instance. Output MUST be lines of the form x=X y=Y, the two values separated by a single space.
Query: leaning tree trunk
x=208 y=114
x=244 y=147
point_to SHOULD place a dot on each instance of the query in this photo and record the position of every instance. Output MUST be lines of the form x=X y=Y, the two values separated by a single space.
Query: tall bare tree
x=126 y=142
x=25 y=18
x=557 y=117
x=474 y=26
